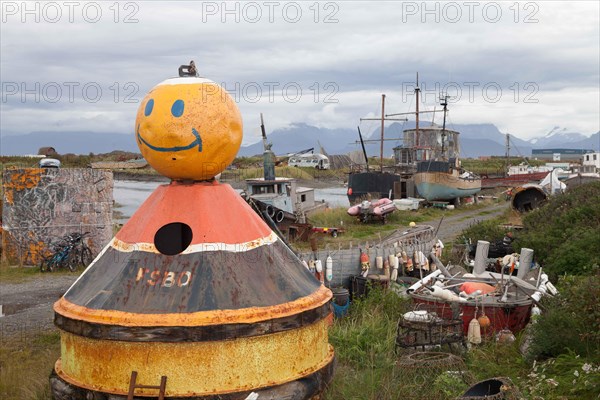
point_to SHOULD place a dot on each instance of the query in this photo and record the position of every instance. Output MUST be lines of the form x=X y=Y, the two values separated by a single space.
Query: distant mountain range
x=83 y=142
x=475 y=140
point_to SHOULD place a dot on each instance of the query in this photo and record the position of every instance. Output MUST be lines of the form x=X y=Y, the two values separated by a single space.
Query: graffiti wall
x=42 y=205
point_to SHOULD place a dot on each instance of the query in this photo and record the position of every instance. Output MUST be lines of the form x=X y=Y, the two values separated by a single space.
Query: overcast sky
x=523 y=66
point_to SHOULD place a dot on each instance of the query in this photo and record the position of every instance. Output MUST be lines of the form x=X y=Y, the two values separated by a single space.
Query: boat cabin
x=431 y=143
x=284 y=194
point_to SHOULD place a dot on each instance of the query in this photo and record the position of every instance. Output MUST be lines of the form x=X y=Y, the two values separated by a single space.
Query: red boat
x=506 y=300
x=511 y=180
x=513 y=315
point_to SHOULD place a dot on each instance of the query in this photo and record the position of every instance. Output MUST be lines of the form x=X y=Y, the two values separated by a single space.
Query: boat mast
x=362 y=143
x=382 y=130
x=417 y=90
x=444 y=103
x=507 y=151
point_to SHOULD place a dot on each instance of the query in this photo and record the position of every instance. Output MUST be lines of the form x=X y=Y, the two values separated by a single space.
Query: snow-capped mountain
x=557 y=137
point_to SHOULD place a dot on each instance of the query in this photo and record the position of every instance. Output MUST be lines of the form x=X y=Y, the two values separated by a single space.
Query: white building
x=591 y=160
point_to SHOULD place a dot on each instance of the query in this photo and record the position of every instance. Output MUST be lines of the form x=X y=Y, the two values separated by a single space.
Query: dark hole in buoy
x=174 y=159
x=173 y=238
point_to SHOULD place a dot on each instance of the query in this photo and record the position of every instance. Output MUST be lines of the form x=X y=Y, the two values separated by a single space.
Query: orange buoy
x=195 y=289
x=484 y=321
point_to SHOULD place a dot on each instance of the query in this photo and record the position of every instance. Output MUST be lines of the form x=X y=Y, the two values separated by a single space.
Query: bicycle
x=69 y=252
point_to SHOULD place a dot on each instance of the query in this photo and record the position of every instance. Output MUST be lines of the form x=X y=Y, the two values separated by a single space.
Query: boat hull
x=371 y=185
x=513 y=180
x=445 y=186
x=514 y=316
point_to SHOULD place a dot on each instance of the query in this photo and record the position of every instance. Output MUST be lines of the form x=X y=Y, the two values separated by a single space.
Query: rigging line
x=369 y=128
x=514 y=146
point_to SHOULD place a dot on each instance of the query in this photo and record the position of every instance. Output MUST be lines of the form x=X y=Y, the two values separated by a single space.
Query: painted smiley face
x=188 y=128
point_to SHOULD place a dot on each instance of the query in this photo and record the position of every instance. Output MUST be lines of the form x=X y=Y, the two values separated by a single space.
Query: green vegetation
x=257 y=172
x=561 y=358
x=490 y=230
x=565 y=232
x=69 y=160
x=571 y=321
x=15 y=274
x=364 y=343
x=26 y=359
x=356 y=230
x=284 y=171
x=494 y=165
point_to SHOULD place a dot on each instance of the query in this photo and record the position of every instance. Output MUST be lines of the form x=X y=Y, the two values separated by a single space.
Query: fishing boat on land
x=282 y=200
x=514 y=175
x=498 y=302
x=439 y=176
x=426 y=164
x=385 y=182
x=445 y=181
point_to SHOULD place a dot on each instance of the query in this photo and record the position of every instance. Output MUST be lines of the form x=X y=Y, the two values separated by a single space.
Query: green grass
x=308 y=174
x=375 y=230
x=15 y=274
x=26 y=360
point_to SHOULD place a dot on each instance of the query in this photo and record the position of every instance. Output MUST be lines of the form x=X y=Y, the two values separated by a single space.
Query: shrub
x=571 y=320
x=565 y=232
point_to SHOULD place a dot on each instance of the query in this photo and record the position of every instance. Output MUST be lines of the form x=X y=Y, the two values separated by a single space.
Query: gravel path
x=453 y=225
x=28 y=305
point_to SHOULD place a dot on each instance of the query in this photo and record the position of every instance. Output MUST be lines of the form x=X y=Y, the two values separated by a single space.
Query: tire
x=72 y=261
x=279 y=216
x=270 y=210
x=86 y=256
x=47 y=265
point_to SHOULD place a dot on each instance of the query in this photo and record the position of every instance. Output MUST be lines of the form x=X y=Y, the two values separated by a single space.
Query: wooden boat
x=439 y=177
x=444 y=180
x=507 y=302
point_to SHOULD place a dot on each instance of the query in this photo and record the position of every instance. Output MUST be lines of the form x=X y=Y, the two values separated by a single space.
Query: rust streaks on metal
x=244 y=315
x=212 y=367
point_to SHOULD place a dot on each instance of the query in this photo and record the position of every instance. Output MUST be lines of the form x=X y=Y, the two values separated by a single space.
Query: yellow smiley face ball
x=188 y=128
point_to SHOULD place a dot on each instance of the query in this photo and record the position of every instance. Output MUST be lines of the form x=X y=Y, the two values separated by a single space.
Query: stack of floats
x=195 y=291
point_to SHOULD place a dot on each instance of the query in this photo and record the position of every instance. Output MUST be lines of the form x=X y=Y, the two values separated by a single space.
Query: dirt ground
x=28 y=305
